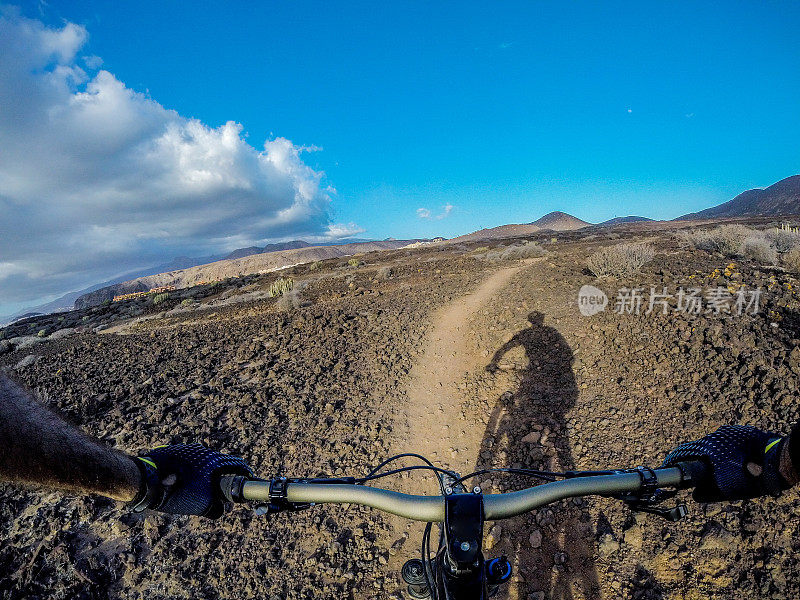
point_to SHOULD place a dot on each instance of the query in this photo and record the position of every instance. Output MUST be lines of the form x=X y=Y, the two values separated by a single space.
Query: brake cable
x=426 y=562
x=544 y=475
x=372 y=474
x=436 y=470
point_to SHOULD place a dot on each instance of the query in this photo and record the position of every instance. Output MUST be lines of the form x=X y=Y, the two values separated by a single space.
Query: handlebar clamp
x=649 y=489
x=278 y=487
x=278 y=490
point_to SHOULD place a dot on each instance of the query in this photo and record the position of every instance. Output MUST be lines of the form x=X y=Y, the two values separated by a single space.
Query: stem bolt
x=476 y=490
x=448 y=490
x=465 y=546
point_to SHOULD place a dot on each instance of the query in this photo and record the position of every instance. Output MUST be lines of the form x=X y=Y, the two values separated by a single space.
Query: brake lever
x=670 y=514
x=649 y=495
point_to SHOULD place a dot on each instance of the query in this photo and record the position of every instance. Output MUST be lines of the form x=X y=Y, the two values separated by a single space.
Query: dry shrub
x=725 y=239
x=620 y=260
x=384 y=273
x=760 y=249
x=784 y=239
x=526 y=250
x=791 y=260
x=289 y=301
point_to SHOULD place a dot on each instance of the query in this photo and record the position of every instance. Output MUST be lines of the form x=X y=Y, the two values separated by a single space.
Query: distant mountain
x=782 y=198
x=24 y=316
x=622 y=220
x=242 y=252
x=560 y=221
x=262 y=262
x=67 y=301
x=280 y=246
x=499 y=232
x=554 y=221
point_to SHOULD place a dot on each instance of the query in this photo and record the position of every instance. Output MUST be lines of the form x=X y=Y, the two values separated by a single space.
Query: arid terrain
x=473 y=354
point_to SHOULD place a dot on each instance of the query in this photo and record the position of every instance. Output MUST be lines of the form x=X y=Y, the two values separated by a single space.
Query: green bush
x=314 y=266
x=353 y=262
x=187 y=302
x=159 y=298
x=42 y=333
x=280 y=286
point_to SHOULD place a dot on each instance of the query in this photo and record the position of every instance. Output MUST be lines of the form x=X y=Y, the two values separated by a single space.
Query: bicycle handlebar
x=496 y=506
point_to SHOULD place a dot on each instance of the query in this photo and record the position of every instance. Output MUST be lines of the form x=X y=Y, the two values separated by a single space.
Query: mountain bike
x=459 y=570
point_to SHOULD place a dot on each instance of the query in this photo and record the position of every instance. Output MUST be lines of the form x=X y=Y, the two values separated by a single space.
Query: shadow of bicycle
x=553 y=547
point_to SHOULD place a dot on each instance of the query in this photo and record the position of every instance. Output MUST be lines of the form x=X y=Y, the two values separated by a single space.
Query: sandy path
x=436 y=426
x=434 y=423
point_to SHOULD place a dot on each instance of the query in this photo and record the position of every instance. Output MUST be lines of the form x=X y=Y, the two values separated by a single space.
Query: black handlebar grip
x=231 y=487
x=694 y=472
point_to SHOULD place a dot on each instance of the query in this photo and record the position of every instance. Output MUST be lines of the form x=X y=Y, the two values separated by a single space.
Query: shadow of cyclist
x=554 y=546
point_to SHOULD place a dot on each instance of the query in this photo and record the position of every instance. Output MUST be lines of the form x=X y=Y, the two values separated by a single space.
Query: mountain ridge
x=552 y=221
x=264 y=262
x=623 y=220
x=780 y=198
x=67 y=301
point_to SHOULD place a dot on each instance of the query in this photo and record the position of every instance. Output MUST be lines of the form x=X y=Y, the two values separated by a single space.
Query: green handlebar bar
x=496 y=506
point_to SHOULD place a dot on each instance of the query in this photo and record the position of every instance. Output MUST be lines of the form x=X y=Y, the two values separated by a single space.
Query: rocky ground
x=620 y=390
x=322 y=385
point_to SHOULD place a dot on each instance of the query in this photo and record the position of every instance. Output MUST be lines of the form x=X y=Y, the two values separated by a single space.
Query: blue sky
x=502 y=111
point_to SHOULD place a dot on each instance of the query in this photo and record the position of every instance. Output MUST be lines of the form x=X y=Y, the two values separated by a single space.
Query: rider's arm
x=39 y=448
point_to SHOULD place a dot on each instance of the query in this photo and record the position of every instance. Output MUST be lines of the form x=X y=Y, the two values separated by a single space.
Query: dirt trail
x=437 y=426
x=434 y=422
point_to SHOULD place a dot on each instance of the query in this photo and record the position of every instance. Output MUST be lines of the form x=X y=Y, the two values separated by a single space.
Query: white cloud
x=93 y=62
x=424 y=213
x=341 y=231
x=97 y=179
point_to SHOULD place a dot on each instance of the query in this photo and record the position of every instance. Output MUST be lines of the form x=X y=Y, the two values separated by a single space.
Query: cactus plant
x=280 y=286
